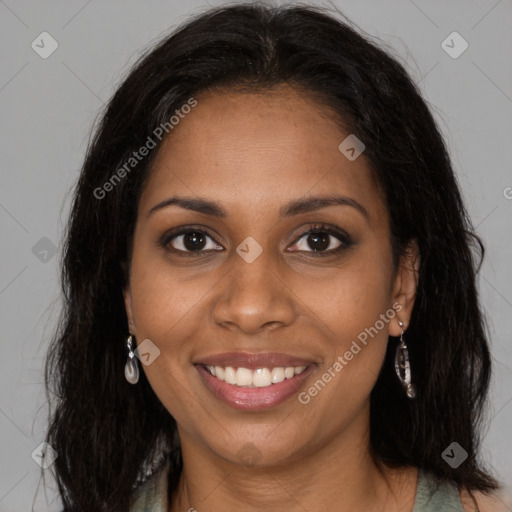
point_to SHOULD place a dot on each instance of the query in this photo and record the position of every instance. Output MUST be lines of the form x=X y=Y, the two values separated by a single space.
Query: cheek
x=351 y=298
x=355 y=306
x=165 y=312
x=161 y=299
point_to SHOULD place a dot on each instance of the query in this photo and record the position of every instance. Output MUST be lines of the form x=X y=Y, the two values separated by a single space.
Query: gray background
x=48 y=107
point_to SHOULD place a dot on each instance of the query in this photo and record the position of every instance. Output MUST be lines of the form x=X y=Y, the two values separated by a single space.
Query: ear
x=404 y=287
x=127 y=293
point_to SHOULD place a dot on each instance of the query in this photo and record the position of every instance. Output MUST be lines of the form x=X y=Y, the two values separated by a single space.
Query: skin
x=253 y=154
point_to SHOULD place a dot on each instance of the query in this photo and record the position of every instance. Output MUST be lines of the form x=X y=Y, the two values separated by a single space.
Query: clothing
x=431 y=497
x=151 y=496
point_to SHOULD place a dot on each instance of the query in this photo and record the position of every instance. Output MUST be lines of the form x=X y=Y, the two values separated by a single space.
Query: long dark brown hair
x=104 y=428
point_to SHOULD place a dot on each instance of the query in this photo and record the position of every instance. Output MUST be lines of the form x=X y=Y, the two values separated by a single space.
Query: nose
x=254 y=298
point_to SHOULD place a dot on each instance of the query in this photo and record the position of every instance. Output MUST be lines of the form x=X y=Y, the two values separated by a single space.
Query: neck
x=338 y=475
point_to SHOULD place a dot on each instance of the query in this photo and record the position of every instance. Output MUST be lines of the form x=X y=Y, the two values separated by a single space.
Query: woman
x=270 y=285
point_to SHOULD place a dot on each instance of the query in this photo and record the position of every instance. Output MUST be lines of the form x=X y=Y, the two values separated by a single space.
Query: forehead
x=243 y=149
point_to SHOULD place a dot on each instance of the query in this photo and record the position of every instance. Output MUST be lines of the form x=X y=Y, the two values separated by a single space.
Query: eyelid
x=321 y=227
x=332 y=230
x=170 y=235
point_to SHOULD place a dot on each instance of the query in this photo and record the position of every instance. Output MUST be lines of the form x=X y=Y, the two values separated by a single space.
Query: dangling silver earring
x=131 y=368
x=403 y=366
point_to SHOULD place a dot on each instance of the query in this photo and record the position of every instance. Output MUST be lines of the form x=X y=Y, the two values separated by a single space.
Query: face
x=238 y=271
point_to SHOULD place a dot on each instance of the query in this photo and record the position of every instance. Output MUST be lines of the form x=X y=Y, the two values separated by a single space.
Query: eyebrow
x=296 y=207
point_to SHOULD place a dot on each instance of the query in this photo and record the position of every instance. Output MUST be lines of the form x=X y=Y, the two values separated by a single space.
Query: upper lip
x=253 y=360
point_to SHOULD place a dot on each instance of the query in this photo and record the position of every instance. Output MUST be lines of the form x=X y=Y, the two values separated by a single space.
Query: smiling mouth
x=257 y=378
x=255 y=389
x=254 y=381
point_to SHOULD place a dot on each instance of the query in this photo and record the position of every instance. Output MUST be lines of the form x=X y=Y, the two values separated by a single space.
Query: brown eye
x=319 y=241
x=323 y=240
x=191 y=240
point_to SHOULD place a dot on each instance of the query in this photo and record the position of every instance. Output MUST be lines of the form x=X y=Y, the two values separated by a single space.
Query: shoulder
x=481 y=502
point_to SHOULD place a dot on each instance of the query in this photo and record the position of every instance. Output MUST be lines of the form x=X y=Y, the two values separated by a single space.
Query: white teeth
x=289 y=372
x=299 y=369
x=230 y=375
x=260 y=377
x=219 y=372
x=277 y=375
x=243 y=377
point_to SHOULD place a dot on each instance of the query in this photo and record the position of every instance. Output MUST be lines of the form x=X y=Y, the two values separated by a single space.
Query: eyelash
x=335 y=231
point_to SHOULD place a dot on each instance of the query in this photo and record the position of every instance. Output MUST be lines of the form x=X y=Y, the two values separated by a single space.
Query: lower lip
x=253 y=399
